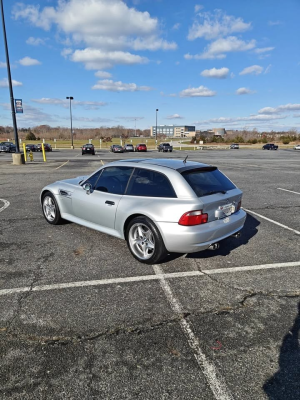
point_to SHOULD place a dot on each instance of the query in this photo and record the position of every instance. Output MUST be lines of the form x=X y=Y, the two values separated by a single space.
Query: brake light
x=191 y=218
x=84 y=148
x=239 y=205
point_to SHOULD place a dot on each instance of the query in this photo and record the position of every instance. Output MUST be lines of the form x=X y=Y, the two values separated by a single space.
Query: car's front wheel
x=144 y=241
x=50 y=209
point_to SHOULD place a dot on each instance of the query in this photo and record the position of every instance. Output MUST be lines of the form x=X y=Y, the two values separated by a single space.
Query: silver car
x=158 y=206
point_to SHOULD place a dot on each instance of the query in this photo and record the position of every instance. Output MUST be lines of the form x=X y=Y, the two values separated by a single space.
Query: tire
x=171 y=151
x=50 y=209
x=82 y=154
x=152 y=250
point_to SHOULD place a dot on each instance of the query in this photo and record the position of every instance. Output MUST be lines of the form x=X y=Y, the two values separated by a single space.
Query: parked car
x=47 y=147
x=270 y=146
x=31 y=147
x=88 y=149
x=140 y=147
x=128 y=147
x=234 y=146
x=158 y=206
x=165 y=147
x=116 y=148
x=7 y=147
x=112 y=146
x=297 y=147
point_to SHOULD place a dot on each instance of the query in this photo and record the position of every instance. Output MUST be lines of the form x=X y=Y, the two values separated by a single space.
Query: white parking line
x=6 y=204
x=63 y=164
x=271 y=220
x=143 y=278
x=286 y=190
x=214 y=378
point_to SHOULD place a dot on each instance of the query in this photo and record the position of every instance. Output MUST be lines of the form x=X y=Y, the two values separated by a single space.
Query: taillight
x=239 y=205
x=84 y=148
x=193 y=218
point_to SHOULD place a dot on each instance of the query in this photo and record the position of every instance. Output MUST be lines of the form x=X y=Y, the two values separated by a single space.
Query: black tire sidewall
x=160 y=249
x=57 y=218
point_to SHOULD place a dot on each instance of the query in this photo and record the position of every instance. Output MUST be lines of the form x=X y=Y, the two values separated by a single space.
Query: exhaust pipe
x=236 y=235
x=214 y=246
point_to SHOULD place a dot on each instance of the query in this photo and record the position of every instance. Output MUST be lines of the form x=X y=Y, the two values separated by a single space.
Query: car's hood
x=75 y=181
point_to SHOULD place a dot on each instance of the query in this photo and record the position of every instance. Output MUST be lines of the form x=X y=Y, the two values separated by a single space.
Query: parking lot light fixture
x=18 y=158
x=156 y=127
x=71 y=98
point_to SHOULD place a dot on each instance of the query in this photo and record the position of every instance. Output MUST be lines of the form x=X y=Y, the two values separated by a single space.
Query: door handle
x=111 y=203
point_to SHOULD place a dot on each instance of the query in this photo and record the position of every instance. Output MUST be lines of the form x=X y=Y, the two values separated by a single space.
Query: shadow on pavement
x=285 y=383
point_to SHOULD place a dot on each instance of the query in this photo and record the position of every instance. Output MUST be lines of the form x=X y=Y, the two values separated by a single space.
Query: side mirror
x=88 y=188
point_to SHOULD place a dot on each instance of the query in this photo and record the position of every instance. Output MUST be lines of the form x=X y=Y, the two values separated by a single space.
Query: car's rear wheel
x=50 y=209
x=144 y=241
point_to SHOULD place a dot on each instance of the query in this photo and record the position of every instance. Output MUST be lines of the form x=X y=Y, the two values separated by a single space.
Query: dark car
x=270 y=146
x=88 y=149
x=7 y=147
x=128 y=147
x=165 y=147
x=141 y=147
x=47 y=147
x=31 y=147
x=116 y=148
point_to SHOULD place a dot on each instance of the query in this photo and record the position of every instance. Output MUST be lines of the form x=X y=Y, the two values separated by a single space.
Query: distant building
x=219 y=131
x=174 y=130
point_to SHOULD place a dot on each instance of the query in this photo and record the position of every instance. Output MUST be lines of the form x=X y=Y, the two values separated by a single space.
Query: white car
x=297 y=147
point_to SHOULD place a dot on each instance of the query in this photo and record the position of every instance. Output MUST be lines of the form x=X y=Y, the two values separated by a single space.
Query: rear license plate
x=228 y=209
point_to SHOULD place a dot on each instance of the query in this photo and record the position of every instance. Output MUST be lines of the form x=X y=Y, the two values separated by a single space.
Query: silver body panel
x=92 y=211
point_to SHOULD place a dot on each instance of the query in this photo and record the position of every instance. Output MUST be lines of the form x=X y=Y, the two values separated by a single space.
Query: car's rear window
x=88 y=145
x=207 y=181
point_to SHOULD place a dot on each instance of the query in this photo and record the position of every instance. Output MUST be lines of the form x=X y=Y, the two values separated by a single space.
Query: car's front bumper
x=190 y=239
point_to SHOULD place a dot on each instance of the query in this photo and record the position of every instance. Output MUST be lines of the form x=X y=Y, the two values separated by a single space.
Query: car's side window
x=114 y=180
x=93 y=179
x=145 y=182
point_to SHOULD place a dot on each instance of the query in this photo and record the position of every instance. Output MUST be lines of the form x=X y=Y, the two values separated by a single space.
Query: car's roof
x=179 y=165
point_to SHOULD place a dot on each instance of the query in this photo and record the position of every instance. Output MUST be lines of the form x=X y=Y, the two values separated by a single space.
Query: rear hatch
x=218 y=196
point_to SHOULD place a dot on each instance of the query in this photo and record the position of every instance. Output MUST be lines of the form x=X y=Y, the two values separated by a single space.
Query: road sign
x=18 y=106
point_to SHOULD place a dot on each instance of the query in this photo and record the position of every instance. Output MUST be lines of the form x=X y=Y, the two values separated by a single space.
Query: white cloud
x=174 y=116
x=263 y=50
x=220 y=73
x=35 y=41
x=176 y=26
x=105 y=26
x=4 y=83
x=267 y=70
x=28 y=61
x=231 y=120
x=296 y=115
x=66 y=52
x=119 y=86
x=218 y=48
x=131 y=118
x=198 y=7
x=103 y=74
x=279 y=109
x=2 y=64
x=273 y=23
x=253 y=70
x=201 y=91
x=98 y=59
x=244 y=90
x=88 y=105
x=211 y=26
x=31 y=115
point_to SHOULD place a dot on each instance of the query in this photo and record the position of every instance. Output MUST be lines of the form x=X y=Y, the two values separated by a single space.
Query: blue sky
x=231 y=64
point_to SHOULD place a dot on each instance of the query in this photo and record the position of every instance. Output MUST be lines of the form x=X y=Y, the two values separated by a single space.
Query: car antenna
x=185 y=159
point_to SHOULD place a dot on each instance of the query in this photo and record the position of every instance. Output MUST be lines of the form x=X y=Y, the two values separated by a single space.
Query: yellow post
x=25 y=154
x=44 y=154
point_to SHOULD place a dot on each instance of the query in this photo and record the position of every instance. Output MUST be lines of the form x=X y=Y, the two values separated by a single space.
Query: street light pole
x=135 y=127
x=12 y=105
x=71 y=98
x=156 y=128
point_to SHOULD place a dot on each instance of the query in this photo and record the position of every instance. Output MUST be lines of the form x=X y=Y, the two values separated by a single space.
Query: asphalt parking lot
x=80 y=318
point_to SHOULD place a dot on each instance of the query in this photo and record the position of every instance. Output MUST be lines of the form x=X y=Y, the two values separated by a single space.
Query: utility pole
x=71 y=98
x=18 y=159
x=156 y=128
x=135 y=127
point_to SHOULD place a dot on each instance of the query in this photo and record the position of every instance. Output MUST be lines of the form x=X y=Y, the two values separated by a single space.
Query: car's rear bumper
x=190 y=239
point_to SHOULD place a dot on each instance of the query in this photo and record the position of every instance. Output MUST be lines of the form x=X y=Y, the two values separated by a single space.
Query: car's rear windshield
x=88 y=145
x=207 y=181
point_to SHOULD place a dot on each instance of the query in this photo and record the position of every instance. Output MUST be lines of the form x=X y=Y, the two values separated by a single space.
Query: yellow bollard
x=44 y=154
x=25 y=154
x=31 y=155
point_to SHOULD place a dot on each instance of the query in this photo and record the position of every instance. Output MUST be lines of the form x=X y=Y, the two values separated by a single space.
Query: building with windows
x=174 y=131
